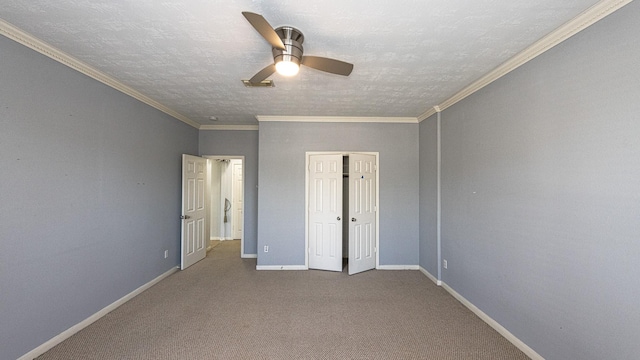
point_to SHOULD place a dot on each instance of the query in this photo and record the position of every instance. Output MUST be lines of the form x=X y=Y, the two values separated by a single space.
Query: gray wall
x=539 y=187
x=281 y=206
x=239 y=143
x=541 y=196
x=429 y=194
x=89 y=196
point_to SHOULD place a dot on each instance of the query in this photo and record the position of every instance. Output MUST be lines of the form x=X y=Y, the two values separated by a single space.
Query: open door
x=237 y=191
x=362 y=212
x=325 y=211
x=193 y=248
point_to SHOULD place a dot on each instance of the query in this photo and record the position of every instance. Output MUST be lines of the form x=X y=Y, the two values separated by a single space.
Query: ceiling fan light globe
x=287 y=68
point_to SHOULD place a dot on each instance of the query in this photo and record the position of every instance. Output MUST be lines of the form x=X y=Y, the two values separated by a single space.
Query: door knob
x=184 y=217
x=338 y=218
x=353 y=219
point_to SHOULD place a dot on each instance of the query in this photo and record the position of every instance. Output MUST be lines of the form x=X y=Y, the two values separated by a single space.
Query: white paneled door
x=325 y=212
x=362 y=212
x=237 y=196
x=194 y=211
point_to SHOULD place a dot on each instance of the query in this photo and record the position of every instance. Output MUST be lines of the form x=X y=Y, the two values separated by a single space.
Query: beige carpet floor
x=222 y=308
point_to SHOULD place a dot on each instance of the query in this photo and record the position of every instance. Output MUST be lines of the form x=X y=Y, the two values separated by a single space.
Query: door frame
x=306 y=199
x=237 y=230
x=231 y=157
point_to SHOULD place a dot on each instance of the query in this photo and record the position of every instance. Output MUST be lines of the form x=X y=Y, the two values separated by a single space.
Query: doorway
x=226 y=194
x=341 y=211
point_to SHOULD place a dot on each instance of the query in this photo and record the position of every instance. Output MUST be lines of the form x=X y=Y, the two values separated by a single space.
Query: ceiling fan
x=286 y=43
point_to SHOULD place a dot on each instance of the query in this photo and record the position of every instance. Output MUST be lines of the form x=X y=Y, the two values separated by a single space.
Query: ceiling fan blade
x=263 y=74
x=263 y=27
x=328 y=65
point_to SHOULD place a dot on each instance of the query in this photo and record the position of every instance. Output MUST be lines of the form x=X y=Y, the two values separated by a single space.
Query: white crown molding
x=338 y=119
x=590 y=16
x=229 y=127
x=574 y=26
x=427 y=114
x=43 y=48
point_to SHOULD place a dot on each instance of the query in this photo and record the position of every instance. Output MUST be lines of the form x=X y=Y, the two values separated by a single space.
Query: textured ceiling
x=191 y=55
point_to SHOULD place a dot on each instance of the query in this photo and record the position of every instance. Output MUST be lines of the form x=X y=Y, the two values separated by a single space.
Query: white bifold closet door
x=362 y=212
x=325 y=197
x=325 y=212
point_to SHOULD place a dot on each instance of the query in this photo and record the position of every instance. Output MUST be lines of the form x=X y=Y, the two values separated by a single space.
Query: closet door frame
x=377 y=195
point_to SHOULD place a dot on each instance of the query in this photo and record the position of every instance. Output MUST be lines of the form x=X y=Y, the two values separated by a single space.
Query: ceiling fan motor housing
x=292 y=39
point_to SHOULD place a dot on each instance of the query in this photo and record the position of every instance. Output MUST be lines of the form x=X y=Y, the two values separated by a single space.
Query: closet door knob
x=338 y=218
x=353 y=219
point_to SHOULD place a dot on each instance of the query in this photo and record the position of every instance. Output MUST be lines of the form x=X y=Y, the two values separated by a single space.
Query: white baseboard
x=494 y=324
x=249 y=256
x=216 y=238
x=91 y=319
x=431 y=277
x=281 y=267
x=398 y=267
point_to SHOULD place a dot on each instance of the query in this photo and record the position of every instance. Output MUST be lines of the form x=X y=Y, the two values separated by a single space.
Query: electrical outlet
x=166 y=254
x=444 y=263
x=266 y=248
